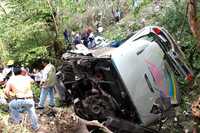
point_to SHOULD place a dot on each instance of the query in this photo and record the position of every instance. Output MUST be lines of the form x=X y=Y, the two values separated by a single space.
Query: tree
x=193 y=19
x=31 y=29
x=27 y=29
x=34 y=28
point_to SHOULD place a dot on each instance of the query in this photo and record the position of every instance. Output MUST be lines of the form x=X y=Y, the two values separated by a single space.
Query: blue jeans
x=17 y=106
x=43 y=95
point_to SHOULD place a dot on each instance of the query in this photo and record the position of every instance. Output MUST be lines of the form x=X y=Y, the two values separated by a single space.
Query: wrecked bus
x=134 y=83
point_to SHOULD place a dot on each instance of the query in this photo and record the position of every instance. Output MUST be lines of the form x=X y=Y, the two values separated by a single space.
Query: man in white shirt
x=37 y=76
x=48 y=82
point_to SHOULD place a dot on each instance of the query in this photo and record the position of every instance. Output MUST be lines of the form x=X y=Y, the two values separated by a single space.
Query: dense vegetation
x=30 y=29
x=34 y=28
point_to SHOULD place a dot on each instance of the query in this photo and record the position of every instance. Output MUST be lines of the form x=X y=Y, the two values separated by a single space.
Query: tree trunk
x=54 y=17
x=193 y=19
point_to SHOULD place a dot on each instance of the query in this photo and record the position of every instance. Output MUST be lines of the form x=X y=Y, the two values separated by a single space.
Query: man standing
x=48 y=82
x=18 y=88
x=66 y=36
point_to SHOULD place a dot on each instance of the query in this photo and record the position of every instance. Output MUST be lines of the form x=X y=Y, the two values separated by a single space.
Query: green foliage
x=36 y=90
x=25 y=29
x=115 y=34
x=34 y=28
x=58 y=102
x=3 y=107
x=128 y=24
x=142 y=5
x=1 y=91
x=174 y=19
x=3 y=54
x=28 y=29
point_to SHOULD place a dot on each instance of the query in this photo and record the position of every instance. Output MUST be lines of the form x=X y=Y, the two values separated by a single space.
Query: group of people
x=86 y=38
x=18 y=91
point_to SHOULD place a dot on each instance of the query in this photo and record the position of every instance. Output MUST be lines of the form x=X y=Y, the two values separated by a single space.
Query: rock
x=196 y=108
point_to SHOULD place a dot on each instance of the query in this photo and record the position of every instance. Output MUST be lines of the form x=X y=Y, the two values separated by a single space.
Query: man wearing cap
x=7 y=71
x=18 y=88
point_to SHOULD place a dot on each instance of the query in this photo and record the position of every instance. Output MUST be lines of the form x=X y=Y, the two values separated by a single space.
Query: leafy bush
x=174 y=19
x=141 y=5
x=36 y=91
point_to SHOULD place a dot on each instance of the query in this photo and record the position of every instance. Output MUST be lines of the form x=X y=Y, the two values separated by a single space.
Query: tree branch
x=54 y=19
x=3 y=9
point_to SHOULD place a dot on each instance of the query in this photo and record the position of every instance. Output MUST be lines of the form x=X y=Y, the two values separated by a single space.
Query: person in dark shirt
x=85 y=36
x=116 y=15
x=77 y=39
x=66 y=36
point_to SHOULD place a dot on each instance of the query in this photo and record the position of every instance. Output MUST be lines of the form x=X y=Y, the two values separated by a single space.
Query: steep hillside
x=29 y=38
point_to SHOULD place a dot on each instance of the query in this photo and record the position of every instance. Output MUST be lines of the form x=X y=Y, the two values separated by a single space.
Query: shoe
x=51 y=114
x=39 y=107
x=40 y=130
x=51 y=106
x=36 y=129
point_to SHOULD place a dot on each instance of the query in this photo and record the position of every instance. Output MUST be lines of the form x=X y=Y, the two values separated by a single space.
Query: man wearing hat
x=8 y=70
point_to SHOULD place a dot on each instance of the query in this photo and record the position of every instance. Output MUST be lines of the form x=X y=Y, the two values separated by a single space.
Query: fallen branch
x=96 y=124
x=71 y=123
x=3 y=9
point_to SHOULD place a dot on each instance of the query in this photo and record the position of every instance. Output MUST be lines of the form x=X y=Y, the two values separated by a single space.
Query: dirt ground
x=48 y=118
x=56 y=120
